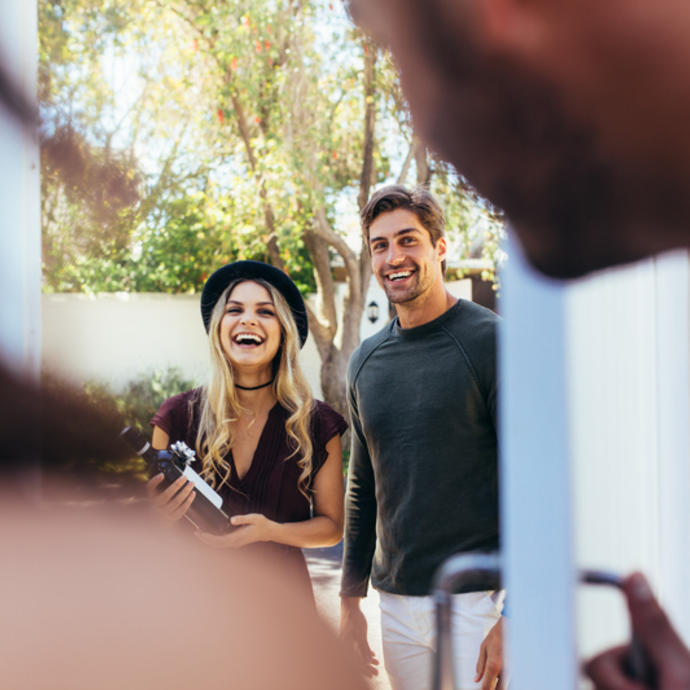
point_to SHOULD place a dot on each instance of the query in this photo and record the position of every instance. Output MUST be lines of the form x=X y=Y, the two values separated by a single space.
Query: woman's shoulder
x=326 y=424
x=321 y=407
x=327 y=420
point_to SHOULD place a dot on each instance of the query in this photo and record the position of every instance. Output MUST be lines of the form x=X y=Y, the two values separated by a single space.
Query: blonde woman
x=267 y=447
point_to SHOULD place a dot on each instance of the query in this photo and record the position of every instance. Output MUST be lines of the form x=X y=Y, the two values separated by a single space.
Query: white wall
x=117 y=337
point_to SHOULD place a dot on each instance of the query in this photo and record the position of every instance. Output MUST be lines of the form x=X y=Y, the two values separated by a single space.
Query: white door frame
x=535 y=480
x=20 y=234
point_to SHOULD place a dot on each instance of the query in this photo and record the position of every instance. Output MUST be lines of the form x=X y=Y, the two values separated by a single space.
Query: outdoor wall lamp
x=373 y=311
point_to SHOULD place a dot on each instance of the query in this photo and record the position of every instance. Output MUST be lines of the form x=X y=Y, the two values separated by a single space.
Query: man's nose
x=395 y=256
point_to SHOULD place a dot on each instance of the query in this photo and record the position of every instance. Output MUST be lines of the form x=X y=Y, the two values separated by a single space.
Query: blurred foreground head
x=107 y=601
x=95 y=594
x=571 y=116
x=54 y=428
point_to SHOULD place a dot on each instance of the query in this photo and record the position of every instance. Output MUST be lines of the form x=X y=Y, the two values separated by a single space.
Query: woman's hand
x=173 y=502
x=324 y=529
x=251 y=528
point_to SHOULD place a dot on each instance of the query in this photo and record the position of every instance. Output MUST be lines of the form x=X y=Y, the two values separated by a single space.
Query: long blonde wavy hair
x=220 y=405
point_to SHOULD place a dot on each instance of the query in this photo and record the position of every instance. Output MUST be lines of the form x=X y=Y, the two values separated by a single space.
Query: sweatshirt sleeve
x=360 y=505
x=490 y=368
x=479 y=338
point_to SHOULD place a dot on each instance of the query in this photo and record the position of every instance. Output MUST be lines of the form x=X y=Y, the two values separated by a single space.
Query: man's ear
x=441 y=248
x=513 y=26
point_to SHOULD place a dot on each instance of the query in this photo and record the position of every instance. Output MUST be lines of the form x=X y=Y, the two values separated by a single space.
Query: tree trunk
x=324 y=321
x=367 y=172
x=333 y=373
x=422 y=161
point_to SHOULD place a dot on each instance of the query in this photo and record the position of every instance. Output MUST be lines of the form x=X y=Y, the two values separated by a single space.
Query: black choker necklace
x=253 y=388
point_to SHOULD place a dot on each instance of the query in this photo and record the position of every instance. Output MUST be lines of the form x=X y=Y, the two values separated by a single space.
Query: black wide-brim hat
x=254 y=270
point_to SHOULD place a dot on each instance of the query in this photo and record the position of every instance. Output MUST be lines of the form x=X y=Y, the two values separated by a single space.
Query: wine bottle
x=206 y=511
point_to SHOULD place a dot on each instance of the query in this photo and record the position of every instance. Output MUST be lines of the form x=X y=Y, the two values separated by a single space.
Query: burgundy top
x=270 y=485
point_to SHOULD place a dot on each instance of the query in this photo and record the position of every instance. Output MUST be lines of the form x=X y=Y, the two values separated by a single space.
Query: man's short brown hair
x=418 y=200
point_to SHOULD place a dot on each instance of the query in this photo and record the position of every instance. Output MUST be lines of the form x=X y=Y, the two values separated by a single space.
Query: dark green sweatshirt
x=423 y=481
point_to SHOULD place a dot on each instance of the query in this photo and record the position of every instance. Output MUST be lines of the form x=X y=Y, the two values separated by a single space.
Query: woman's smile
x=250 y=331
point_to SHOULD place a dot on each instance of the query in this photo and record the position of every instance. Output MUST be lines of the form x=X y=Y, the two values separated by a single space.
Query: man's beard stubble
x=398 y=297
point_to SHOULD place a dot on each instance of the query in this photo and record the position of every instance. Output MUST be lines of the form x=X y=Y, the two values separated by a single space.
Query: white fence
x=628 y=344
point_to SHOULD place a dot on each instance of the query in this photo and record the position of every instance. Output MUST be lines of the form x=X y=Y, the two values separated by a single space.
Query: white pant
x=408 y=629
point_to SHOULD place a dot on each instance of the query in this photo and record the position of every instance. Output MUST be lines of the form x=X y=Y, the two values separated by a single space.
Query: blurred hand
x=173 y=502
x=353 y=629
x=662 y=644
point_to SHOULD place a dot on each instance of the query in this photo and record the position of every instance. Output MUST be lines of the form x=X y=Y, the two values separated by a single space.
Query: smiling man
x=423 y=468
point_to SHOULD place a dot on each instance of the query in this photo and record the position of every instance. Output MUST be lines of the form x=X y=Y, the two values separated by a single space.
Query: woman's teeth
x=248 y=339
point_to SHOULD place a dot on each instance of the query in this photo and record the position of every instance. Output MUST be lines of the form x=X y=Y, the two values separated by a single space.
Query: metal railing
x=470 y=571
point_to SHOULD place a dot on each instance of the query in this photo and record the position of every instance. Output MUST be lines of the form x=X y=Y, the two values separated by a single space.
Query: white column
x=535 y=481
x=673 y=354
x=20 y=231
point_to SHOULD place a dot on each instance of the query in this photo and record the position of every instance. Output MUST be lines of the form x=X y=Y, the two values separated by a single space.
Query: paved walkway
x=324 y=567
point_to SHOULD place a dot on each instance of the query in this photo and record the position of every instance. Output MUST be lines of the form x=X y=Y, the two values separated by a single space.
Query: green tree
x=119 y=140
x=245 y=129
x=298 y=99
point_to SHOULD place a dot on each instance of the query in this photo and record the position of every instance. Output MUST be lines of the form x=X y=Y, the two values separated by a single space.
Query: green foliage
x=183 y=134
x=133 y=406
x=140 y=399
x=474 y=226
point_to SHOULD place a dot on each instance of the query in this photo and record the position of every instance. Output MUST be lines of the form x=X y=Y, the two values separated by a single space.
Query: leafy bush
x=142 y=396
x=135 y=406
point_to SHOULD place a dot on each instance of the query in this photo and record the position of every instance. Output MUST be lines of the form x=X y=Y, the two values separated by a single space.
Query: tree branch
x=406 y=165
x=323 y=229
x=242 y=126
x=422 y=161
x=318 y=250
x=367 y=174
x=321 y=333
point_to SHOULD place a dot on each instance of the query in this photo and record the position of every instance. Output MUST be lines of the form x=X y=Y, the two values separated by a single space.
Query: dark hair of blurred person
x=572 y=117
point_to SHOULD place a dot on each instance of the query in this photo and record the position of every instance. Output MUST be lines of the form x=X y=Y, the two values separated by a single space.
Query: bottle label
x=201 y=485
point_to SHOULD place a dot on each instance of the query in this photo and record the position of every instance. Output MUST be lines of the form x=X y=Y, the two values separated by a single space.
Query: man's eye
x=377 y=247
